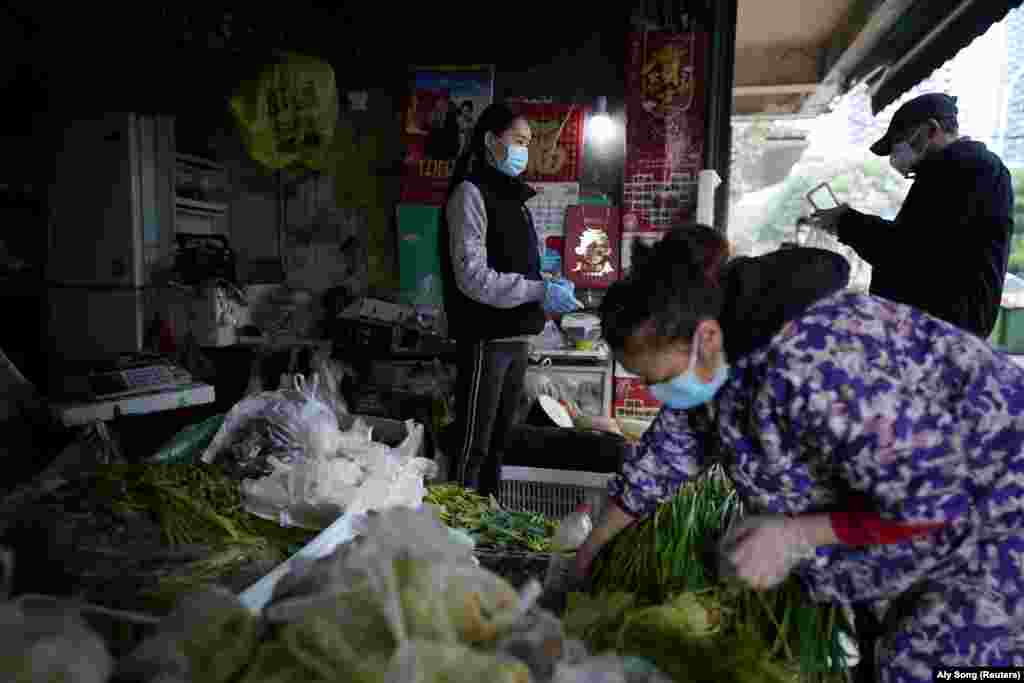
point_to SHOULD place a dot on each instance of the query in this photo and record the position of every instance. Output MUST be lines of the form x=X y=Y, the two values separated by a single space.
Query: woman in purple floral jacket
x=879 y=451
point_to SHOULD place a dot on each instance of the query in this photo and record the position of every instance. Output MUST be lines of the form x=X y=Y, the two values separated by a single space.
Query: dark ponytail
x=496 y=118
x=674 y=284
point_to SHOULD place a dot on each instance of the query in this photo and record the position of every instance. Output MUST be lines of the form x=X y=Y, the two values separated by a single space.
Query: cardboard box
x=632 y=399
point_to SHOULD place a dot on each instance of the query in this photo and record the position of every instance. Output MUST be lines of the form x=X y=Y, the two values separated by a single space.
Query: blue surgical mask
x=687 y=390
x=516 y=159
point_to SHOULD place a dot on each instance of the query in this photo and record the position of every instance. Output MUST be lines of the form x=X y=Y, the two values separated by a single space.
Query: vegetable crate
x=552 y=493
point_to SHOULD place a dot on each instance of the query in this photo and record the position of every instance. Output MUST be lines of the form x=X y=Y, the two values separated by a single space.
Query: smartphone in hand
x=822 y=198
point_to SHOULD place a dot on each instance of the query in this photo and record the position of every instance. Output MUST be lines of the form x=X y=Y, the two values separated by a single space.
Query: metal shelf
x=210 y=207
x=600 y=354
x=199 y=161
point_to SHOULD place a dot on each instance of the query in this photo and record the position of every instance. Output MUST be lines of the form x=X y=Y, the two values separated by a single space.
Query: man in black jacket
x=947 y=251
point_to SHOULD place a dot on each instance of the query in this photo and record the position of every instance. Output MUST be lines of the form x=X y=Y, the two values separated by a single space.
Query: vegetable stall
x=656 y=594
x=454 y=586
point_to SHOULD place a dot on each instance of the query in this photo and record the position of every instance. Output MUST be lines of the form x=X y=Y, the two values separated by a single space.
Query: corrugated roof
x=974 y=21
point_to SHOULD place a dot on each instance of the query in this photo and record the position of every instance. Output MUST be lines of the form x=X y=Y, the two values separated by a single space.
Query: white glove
x=762 y=551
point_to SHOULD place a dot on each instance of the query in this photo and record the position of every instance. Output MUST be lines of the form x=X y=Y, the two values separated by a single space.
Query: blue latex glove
x=560 y=296
x=551 y=262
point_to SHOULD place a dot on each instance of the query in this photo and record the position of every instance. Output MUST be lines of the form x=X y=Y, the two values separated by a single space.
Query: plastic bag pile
x=298 y=466
x=402 y=603
x=50 y=643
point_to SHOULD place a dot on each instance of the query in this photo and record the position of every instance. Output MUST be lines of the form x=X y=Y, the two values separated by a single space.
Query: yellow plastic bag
x=288 y=115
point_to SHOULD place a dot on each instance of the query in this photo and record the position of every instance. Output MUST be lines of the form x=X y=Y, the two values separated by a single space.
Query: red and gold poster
x=665 y=111
x=591 y=247
x=443 y=106
x=633 y=400
x=556 y=151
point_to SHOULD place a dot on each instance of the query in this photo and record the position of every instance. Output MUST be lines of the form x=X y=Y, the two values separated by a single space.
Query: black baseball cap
x=934 y=105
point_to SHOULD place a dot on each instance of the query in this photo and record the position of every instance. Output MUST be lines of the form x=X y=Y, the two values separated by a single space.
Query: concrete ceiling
x=790 y=53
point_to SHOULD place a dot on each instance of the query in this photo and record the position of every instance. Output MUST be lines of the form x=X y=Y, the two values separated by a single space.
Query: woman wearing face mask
x=495 y=296
x=879 y=451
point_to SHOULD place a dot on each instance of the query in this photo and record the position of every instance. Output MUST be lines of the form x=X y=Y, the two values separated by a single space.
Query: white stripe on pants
x=471 y=411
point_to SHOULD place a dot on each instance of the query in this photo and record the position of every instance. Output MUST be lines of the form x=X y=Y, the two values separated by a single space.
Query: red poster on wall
x=443 y=106
x=665 y=130
x=556 y=151
x=591 y=247
x=633 y=400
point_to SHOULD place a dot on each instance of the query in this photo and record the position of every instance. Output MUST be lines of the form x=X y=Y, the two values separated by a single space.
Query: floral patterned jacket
x=860 y=399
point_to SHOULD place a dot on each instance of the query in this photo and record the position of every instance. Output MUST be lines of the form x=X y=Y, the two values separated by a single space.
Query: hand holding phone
x=827 y=209
x=822 y=198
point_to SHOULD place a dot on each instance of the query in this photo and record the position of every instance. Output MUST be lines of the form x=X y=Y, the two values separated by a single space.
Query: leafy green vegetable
x=669 y=552
x=489 y=525
x=193 y=503
x=674 y=552
x=597 y=619
x=683 y=638
x=460 y=508
x=515 y=529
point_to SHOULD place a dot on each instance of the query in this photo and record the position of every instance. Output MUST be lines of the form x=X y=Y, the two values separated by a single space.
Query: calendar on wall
x=548 y=208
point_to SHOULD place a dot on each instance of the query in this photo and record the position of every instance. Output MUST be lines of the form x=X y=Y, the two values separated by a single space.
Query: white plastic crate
x=552 y=493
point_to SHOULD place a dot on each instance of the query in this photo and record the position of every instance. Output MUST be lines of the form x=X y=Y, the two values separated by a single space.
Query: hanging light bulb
x=601 y=125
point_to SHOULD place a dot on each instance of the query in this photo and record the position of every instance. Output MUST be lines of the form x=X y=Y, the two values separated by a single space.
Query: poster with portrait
x=440 y=112
x=665 y=130
x=556 y=148
x=591 y=246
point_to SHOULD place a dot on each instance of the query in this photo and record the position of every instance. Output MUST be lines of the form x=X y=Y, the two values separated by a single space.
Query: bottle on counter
x=572 y=532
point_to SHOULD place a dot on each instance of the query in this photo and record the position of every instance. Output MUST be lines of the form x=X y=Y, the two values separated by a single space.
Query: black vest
x=512 y=247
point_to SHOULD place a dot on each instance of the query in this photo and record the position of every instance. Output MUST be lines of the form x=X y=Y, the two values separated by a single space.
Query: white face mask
x=903 y=157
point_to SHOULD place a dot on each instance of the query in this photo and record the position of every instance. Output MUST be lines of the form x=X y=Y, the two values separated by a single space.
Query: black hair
x=674 y=284
x=496 y=118
x=467 y=103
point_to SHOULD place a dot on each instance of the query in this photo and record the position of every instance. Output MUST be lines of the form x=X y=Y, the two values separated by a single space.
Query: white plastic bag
x=326 y=379
x=403 y=602
x=401 y=554
x=209 y=636
x=538 y=640
x=606 y=669
x=551 y=338
x=358 y=475
x=429 y=662
x=272 y=428
x=50 y=642
x=403 y=599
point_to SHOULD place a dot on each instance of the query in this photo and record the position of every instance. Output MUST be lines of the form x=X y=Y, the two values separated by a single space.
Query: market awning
x=924 y=38
x=891 y=45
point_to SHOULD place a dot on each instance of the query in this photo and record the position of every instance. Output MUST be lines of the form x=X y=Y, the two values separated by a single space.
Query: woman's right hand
x=615 y=521
x=560 y=296
x=585 y=555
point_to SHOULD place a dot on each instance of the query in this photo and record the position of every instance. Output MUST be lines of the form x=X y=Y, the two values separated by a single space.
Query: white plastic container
x=583 y=329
